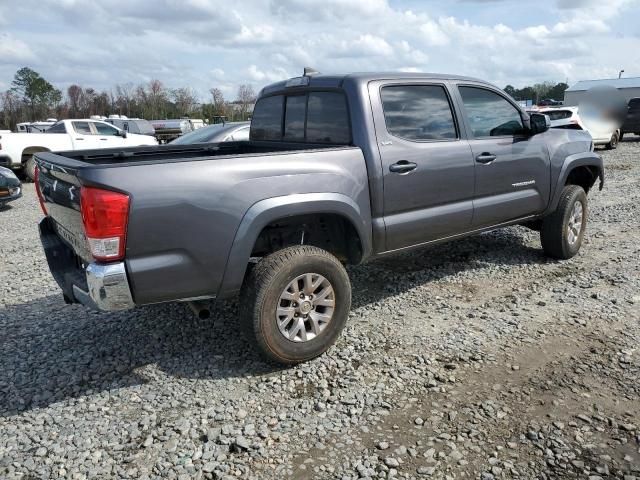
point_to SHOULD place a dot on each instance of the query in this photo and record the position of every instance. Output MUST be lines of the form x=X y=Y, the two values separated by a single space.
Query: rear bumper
x=103 y=287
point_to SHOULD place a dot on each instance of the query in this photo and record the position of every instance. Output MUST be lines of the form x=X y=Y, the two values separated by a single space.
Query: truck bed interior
x=175 y=153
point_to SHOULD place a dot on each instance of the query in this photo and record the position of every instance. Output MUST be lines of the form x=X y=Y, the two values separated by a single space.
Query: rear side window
x=82 y=127
x=418 y=112
x=57 y=128
x=317 y=117
x=266 y=123
x=490 y=114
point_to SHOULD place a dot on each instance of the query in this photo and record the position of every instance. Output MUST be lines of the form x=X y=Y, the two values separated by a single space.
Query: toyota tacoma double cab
x=339 y=169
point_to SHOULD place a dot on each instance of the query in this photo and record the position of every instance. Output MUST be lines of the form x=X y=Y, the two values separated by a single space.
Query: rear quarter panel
x=184 y=216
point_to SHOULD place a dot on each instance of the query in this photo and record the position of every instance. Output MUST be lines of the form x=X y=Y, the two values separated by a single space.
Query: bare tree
x=184 y=100
x=74 y=92
x=246 y=97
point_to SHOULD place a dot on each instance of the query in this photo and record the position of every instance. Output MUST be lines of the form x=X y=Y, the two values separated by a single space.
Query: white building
x=629 y=87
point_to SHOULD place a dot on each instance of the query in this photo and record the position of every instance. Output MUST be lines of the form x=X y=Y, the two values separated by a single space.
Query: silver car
x=220 y=132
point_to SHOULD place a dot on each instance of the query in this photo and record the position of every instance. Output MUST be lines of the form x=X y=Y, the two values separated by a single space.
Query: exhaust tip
x=200 y=309
x=204 y=314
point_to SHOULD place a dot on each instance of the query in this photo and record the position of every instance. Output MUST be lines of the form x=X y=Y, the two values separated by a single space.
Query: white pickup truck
x=17 y=149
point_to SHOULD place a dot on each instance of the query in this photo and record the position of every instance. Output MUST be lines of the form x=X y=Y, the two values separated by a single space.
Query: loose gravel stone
x=475 y=359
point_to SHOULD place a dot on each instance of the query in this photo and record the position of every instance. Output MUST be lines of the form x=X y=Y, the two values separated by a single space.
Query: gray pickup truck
x=338 y=170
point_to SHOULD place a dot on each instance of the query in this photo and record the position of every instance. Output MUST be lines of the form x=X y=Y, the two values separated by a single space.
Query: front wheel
x=563 y=231
x=295 y=302
x=29 y=168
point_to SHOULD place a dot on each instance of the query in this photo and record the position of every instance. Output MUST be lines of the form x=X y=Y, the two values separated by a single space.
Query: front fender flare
x=260 y=214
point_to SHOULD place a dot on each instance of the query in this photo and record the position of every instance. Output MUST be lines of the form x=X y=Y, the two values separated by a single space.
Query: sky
x=203 y=44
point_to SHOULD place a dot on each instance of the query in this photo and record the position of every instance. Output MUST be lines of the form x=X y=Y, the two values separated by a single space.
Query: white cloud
x=211 y=43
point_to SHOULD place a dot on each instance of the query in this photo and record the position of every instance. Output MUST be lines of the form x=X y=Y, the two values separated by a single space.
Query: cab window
x=82 y=128
x=490 y=114
x=104 y=129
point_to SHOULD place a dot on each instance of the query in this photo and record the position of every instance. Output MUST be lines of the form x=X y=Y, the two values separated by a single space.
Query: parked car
x=549 y=102
x=220 y=132
x=569 y=118
x=17 y=149
x=10 y=187
x=138 y=126
x=632 y=122
x=338 y=170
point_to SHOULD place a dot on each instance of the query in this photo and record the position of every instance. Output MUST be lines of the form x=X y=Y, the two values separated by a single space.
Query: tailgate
x=61 y=197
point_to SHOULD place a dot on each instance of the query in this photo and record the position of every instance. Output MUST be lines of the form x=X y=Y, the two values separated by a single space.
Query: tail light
x=104 y=216
x=36 y=179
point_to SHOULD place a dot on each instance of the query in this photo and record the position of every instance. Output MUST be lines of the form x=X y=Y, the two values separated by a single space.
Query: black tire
x=613 y=143
x=621 y=136
x=261 y=296
x=29 y=168
x=554 y=234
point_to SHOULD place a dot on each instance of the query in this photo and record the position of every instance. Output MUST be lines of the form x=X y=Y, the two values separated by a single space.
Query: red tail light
x=104 y=216
x=36 y=180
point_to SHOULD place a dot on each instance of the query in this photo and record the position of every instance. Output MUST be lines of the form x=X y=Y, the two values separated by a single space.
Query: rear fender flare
x=583 y=159
x=266 y=211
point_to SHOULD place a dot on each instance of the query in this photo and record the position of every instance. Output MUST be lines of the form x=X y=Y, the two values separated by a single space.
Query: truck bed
x=81 y=159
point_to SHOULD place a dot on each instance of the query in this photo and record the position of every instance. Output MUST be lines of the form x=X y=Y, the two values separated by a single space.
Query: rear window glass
x=327 y=118
x=317 y=117
x=558 y=114
x=294 y=118
x=266 y=123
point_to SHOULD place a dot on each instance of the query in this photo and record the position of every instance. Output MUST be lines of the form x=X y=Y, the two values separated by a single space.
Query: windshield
x=199 y=136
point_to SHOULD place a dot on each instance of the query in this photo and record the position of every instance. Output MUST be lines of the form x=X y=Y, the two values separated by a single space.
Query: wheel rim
x=574 y=226
x=305 y=307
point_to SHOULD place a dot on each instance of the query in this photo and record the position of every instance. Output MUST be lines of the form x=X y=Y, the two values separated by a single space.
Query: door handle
x=79 y=138
x=486 y=157
x=104 y=139
x=402 y=167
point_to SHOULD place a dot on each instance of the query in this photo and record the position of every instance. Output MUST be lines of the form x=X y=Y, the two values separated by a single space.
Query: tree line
x=31 y=98
x=538 y=92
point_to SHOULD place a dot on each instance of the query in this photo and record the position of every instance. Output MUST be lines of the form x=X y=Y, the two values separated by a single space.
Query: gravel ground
x=478 y=359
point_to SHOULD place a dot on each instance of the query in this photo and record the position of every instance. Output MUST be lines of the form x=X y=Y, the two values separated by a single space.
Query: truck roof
x=338 y=80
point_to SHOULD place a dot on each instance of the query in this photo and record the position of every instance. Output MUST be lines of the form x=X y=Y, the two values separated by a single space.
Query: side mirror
x=123 y=133
x=539 y=123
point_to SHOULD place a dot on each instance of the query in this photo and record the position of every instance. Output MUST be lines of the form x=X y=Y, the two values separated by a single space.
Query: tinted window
x=57 y=128
x=82 y=127
x=418 y=112
x=266 y=123
x=558 y=114
x=328 y=118
x=104 y=129
x=634 y=104
x=489 y=114
x=294 y=118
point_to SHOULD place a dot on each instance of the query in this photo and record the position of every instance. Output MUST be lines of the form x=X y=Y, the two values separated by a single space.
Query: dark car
x=632 y=122
x=10 y=187
x=220 y=132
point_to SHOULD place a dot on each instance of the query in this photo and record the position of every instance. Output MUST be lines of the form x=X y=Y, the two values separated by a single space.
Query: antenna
x=310 y=72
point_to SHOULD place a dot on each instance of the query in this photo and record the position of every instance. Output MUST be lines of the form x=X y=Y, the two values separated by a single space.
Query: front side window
x=104 y=129
x=490 y=114
x=418 y=112
x=266 y=123
x=82 y=128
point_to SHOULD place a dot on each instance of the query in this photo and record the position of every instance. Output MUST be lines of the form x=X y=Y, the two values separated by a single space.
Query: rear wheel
x=621 y=136
x=295 y=302
x=563 y=231
x=613 y=143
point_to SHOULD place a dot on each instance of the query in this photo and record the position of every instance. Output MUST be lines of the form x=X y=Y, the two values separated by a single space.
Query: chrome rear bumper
x=108 y=287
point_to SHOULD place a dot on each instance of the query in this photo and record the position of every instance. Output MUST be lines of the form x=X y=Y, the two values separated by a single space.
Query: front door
x=428 y=169
x=513 y=171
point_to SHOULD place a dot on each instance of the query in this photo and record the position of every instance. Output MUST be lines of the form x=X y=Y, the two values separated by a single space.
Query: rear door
x=427 y=165
x=513 y=171
x=82 y=135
